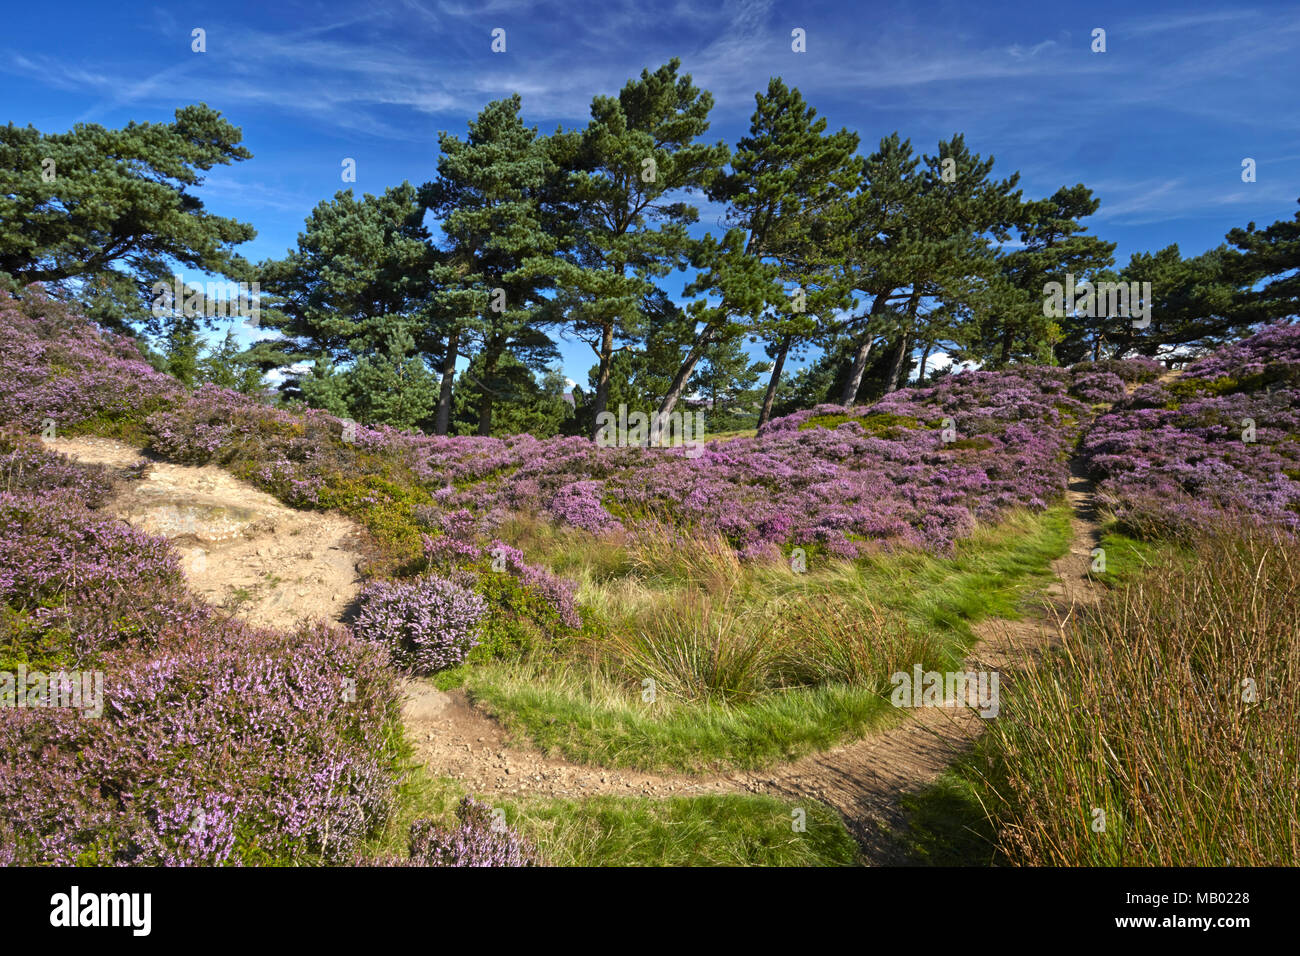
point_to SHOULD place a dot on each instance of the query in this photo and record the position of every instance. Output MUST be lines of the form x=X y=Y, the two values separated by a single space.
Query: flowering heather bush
x=27 y=465
x=1137 y=369
x=456 y=551
x=1276 y=346
x=556 y=592
x=455 y=545
x=840 y=478
x=1098 y=387
x=214 y=422
x=1174 y=455
x=81 y=580
x=428 y=624
x=579 y=504
x=479 y=840
x=55 y=365
x=229 y=745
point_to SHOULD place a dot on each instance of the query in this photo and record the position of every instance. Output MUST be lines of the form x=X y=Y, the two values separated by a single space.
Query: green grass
x=709 y=830
x=589 y=720
x=734 y=433
x=993 y=573
x=572 y=707
x=947 y=824
x=1127 y=557
x=885 y=425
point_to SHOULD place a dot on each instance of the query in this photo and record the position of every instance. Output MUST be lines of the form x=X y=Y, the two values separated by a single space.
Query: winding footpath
x=245 y=551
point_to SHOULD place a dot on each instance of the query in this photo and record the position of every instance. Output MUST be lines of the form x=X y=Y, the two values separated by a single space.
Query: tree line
x=874 y=261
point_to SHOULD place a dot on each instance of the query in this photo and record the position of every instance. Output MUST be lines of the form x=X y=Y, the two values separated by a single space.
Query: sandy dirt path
x=241 y=549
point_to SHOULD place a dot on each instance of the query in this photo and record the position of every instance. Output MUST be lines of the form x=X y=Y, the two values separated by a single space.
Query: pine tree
x=325 y=388
x=870 y=250
x=785 y=190
x=725 y=381
x=620 y=228
x=224 y=365
x=487 y=196
x=182 y=348
x=522 y=403
x=920 y=244
x=1193 y=303
x=1271 y=254
x=1053 y=246
x=356 y=289
x=392 y=385
x=100 y=215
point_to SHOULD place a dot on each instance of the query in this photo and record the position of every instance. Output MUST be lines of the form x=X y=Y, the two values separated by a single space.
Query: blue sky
x=1157 y=125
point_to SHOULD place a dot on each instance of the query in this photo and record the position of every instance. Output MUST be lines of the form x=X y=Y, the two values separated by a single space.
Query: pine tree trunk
x=896 y=365
x=684 y=373
x=602 y=377
x=485 y=396
x=854 y=383
x=850 y=393
x=1004 y=354
x=783 y=349
x=900 y=356
x=925 y=358
x=443 y=420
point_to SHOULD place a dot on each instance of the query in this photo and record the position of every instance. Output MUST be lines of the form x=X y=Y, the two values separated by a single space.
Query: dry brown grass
x=1148 y=715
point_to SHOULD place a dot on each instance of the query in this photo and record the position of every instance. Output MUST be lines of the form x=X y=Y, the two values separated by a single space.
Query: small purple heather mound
x=1220 y=438
x=1098 y=387
x=481 y=839
x=1134 y=370
x=428 y=624
x=558 y=593
x=230 y=745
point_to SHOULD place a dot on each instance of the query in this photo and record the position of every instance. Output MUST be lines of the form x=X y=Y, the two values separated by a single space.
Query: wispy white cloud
x=1020 y=52
x=1166 y=23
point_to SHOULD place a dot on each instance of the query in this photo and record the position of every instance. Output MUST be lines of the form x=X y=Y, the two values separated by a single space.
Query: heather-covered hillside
x=1219 y=439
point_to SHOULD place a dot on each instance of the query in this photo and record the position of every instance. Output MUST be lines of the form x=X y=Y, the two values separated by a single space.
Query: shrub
x=228 y=745
x=428 y=624
x=1098 y=387
x=481 y=839
x=1132 y=370
x=91 y=578
x=556 y=593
